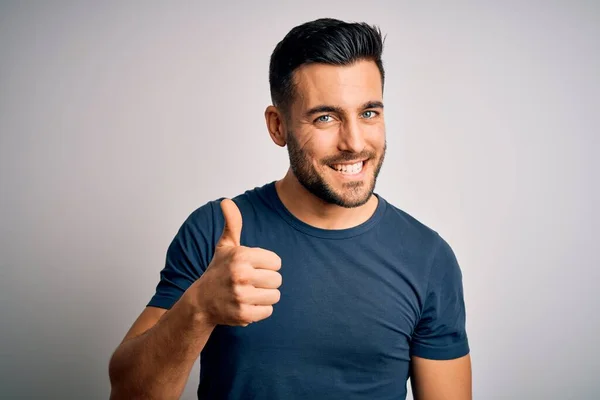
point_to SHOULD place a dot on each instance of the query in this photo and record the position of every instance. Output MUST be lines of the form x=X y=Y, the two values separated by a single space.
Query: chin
x=355 y=201
x=347 y=192
x=350 y=195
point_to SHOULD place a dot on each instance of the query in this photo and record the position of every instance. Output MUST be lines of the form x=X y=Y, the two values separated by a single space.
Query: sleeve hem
x=444 y=353
x=162 y=302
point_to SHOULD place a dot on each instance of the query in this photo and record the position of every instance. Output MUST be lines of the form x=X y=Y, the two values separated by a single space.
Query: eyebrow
x=338 y=110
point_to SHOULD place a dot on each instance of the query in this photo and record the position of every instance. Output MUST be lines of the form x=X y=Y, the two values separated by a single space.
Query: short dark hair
x=326 y=41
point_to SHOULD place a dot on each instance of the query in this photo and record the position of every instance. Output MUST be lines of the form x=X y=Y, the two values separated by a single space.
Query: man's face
x=336 y=131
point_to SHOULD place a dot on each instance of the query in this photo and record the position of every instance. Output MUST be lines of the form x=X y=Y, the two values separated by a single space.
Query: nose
x=351 y=137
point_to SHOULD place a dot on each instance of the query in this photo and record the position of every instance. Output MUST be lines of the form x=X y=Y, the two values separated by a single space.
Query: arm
x=156 y=356
x=238 y=287
x=441 y=379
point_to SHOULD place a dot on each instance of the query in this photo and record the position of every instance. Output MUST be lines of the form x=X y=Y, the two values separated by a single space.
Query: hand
x=241 y=283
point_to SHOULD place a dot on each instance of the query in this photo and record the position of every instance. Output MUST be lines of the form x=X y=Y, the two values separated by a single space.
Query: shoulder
x=441 y=258
x=421 y=231
x=409 y=229
x=203 y=218
x=209 y=218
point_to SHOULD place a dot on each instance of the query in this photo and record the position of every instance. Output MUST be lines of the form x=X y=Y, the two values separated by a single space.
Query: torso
x=350 y=300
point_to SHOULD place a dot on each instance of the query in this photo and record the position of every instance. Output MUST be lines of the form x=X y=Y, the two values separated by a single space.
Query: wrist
x=196 y=309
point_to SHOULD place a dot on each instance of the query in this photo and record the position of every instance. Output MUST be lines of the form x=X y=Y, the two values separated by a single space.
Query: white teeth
x=349 y=168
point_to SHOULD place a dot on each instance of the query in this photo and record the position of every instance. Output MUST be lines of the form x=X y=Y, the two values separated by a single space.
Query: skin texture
x=441 y=380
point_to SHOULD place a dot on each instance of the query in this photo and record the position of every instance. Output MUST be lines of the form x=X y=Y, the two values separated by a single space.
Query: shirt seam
x=283 y=214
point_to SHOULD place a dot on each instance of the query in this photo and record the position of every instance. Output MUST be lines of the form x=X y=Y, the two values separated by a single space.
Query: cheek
x=316 y=146
x=377 y=136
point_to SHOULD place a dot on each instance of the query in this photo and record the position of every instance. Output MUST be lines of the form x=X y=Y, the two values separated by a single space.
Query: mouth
x=349 y=169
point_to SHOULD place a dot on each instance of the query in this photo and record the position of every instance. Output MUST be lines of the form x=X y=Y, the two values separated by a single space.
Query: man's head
x=326 y=80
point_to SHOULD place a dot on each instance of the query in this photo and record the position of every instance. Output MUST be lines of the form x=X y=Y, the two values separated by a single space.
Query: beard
x=354 y=194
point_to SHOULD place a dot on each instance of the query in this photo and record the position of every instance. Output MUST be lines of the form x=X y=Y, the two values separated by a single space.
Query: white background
x=118 y=119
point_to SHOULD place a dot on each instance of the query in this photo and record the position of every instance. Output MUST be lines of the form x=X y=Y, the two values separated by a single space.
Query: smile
x=349 y=169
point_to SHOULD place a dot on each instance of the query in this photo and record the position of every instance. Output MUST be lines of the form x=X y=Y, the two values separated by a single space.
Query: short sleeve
x=187 y=257
x=441 y=332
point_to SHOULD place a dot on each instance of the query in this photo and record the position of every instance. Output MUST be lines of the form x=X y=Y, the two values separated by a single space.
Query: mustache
x=348 y=157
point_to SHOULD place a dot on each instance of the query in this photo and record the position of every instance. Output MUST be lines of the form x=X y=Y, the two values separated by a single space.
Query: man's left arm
x=441 y=379
x=440 y=366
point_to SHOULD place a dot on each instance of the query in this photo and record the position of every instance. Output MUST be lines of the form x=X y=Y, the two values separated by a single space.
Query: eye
x=324 y=118
x=369 y=114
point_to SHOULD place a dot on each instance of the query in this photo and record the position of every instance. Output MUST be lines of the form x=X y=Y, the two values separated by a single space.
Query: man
x=311 y=287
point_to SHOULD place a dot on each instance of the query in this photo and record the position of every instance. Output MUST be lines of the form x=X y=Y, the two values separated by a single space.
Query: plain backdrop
x=118 y=119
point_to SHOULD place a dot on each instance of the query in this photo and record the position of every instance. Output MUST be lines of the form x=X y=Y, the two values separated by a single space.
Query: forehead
x=344 y=86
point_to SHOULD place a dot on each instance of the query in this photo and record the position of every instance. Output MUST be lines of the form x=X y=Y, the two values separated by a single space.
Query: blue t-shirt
x=355 y=304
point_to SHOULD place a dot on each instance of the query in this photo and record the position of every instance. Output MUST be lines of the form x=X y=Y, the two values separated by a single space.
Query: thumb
x=232 y=231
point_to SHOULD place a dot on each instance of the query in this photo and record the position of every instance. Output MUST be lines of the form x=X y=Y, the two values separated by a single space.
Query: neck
x=313 y=211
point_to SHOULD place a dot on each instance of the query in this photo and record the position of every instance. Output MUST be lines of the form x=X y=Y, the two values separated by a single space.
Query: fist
x=241 y=283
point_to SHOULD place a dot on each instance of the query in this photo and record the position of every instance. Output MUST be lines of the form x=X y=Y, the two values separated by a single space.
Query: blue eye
x=369 y=114
x=324 y=118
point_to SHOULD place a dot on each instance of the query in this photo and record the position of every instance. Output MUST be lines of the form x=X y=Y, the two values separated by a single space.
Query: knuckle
x=244 y=315
x=238 y=294
x=238 y=275
x=238 y=256
x=237 y=312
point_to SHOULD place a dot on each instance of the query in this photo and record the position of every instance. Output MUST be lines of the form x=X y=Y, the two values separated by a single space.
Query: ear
x=276 y=125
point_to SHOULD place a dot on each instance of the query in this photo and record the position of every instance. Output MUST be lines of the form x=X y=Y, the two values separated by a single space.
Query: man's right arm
x=239 y=287
x=157 y=354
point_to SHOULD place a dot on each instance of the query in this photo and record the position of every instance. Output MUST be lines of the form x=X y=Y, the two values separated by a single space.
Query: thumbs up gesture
x=241 y=283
